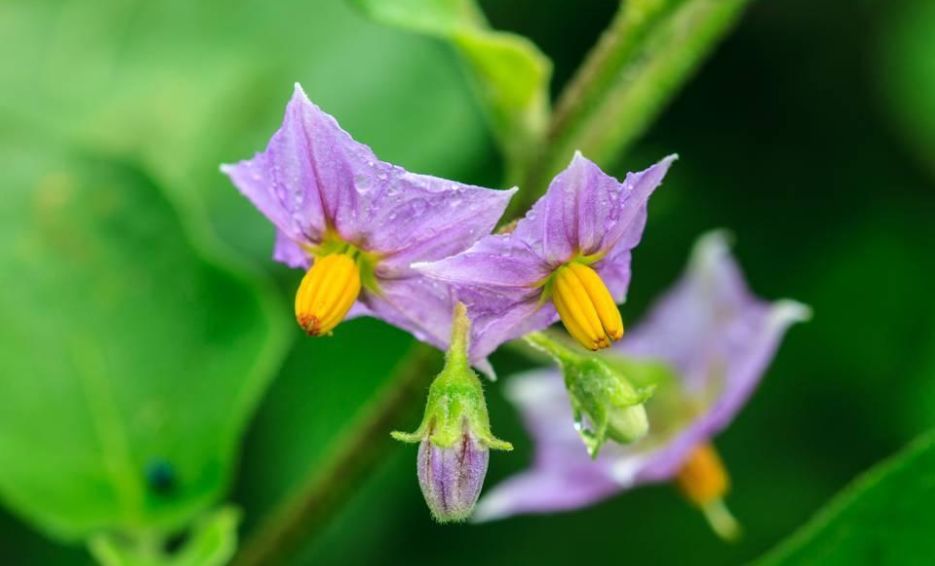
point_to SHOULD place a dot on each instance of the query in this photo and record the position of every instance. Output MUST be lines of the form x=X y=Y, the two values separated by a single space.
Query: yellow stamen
x=585 y=306
x=704 y=481
x=327 y=293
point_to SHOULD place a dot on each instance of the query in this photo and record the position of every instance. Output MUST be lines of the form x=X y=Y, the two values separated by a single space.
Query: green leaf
x=131 y=358
x=511 y=76
x=884 y=517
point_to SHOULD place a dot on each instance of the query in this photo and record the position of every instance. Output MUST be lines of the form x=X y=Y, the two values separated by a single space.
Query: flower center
x=585 y=306
x=327 y=292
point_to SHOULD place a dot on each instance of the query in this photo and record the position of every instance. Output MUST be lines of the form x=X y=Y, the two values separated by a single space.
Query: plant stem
x=361 y=449
x=651 y=48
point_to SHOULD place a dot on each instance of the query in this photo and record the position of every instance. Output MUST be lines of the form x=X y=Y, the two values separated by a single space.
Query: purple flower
x=715 y=337
x=357 y=223
x=569 y=257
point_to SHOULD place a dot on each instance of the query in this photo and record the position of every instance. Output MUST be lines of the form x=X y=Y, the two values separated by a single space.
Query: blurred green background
x=810 y=134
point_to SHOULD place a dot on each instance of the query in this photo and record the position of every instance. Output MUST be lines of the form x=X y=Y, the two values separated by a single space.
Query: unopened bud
x=454 y=437
x=604 y=402
x=451 y=478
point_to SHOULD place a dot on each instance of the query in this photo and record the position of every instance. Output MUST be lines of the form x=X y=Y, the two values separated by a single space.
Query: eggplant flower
x=716 y=339
x=356 y=223
x=568 y=258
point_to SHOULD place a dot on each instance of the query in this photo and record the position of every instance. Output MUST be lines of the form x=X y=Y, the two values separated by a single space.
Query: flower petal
x=421 y=306
x=589 y=212
x=305 y=180
x=497 y=263
x=499 y=318
x=416 y=304
x=287 y=251
x=423 y=218
x=717 y=336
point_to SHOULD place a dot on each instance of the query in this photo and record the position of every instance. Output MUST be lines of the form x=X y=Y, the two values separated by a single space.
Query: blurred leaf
x=212 y=542
x=882 y=518
x=181 y=86
x=510 y=74
x=131 y=359
x=908 y=74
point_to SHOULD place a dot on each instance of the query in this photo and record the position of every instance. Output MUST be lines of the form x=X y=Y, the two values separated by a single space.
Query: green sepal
x=456 y=400
x=606 y=404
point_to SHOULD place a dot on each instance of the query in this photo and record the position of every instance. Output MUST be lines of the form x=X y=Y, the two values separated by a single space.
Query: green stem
x=361 y=449
x=649 y=51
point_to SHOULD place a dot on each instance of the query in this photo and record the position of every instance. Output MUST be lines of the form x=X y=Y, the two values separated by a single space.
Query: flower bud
x=604 y=402
x=451 y=478
x=454 y=437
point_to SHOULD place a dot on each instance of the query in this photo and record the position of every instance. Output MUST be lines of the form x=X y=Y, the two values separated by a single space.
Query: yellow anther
x=704 y=481
x=326 y=293
x=585 y=306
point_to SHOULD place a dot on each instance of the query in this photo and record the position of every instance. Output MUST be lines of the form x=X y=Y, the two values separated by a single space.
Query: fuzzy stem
x=651 y=48
x=304 y=513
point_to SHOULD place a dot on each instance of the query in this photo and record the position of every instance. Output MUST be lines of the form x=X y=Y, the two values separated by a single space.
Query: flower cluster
x=377 y=240
x=412 y=249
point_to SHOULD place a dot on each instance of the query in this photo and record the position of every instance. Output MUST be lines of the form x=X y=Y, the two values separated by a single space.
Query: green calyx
x=366 y=261
x=605 y=403
x=456 y=398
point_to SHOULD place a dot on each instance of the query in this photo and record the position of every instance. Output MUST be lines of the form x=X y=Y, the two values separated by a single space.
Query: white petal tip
x=787 y=311
x=711 y=247
x=491 y=507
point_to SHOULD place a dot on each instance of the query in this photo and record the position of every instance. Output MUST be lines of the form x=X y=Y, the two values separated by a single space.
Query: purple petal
x=615 y=272
x=497 y=320
x=498 y=280
x=588 y=212
x=538 y=491
x=287 y=251
x=305 y=179
x=616 y=243
x=314 y=177
x=499 y=263
x=416 y=304
x=422 y=218
x=422 y=306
